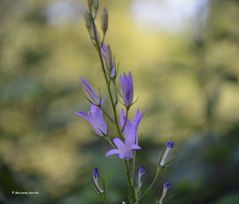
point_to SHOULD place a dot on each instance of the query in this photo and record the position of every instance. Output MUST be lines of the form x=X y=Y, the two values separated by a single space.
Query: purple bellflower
x=96 y=176
x=169 y=146
x=131 y=127
x=90 y=93
x=125 y=149
x=127 y=90
x=96 y=120
x=166 y=186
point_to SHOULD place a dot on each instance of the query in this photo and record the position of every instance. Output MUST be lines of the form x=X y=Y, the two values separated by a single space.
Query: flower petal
x=135 y=147
x=119 y=144
x=122 y=117
x=84 y=115
x=112 y=152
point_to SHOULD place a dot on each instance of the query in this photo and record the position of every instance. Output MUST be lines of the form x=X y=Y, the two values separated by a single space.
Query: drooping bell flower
x=90 y=93
x=169 y=146
x=96 y=120
x=127 y=89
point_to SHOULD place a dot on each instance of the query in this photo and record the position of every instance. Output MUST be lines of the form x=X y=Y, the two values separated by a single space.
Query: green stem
x=104 y=198
x=130 y=184
x=98 y=48
x=158 y=170
x=116 y=95
x=109 y=91
x=127 y=112
x=133 y=168
x=107 y=115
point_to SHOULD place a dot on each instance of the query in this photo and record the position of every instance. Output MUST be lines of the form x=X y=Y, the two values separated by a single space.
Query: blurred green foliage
x=187 y=85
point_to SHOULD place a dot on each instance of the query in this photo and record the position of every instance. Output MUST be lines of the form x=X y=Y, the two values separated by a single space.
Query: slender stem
x=98 y=48
x=127 y=112
x=104 y=198
x=116 y=95
x=107 y=115
x=158 y=170
x=107 y=138
x=133 y=168
x=130 y=184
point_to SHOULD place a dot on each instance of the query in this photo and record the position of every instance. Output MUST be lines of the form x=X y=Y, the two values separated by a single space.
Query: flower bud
x=127 y=90
x=94 y=34
x=90 y=3
x=166 y=186
x=90 y=93
x=95 y=6
x=141 y=173
x=88 y=21
x=104 y=20
x=169 y=146
x=108 y=60
x=96 y=176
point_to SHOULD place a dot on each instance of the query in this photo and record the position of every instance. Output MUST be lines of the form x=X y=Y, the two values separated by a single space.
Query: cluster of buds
x=93 y=6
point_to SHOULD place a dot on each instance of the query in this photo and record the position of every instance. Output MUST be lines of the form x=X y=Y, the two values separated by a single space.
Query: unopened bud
x=96 y=176
x=94 y=34
x=169 y=146
x=104 y=20
x=109 y=59
x=90 y=3
x=166 y=187
x=95 y=6
x=141 y=173
x=88 y=22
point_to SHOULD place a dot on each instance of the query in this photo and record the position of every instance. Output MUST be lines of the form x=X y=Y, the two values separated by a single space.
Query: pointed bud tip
x=167 y=185
x=141 y=170
x=96 y=173
x=170 y=144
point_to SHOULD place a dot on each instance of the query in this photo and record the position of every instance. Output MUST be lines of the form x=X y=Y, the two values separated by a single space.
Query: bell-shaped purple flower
x=90 y=93
x=127 y=90
x=96 y=120
x=124 y=149
x=131 y=127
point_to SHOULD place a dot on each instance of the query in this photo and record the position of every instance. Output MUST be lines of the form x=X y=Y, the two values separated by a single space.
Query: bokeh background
x=184 y=56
